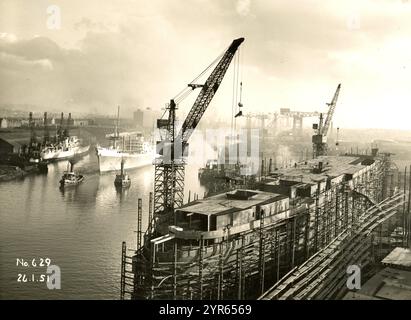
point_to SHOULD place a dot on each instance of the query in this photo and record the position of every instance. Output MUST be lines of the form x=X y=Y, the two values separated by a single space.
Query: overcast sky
x=141 y=53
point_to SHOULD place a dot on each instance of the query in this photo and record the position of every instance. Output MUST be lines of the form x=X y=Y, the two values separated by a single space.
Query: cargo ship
x=128 y=148
x=133 y=151
x=67 y=148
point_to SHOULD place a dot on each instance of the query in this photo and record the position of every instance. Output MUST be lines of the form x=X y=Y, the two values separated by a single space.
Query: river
x=79 y=230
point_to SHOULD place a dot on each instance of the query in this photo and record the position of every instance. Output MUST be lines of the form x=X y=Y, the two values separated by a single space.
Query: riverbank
x=8 y=173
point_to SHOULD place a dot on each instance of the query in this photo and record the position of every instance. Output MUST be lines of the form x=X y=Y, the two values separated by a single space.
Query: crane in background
x=298 y=117
x=319 y=138
x=169 y=167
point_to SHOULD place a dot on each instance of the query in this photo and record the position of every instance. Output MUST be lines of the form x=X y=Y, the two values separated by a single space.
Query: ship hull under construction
x=237 y=245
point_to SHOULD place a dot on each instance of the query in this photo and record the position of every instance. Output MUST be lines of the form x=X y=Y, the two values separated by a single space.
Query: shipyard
x=151 y=161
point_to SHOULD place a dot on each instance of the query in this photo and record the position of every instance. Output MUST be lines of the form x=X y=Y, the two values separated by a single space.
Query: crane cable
x=236 y=79
x=241 y=79
x=184 y=93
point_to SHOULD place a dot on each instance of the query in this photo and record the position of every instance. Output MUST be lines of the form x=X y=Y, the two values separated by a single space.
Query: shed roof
x=333 y=167
x=399 y=257
x=221 y=204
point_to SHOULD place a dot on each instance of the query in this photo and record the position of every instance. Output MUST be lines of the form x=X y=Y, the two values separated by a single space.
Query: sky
x=140 y=54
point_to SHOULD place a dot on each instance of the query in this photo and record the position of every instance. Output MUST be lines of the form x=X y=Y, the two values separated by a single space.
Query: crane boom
x=169 y=168
x=207 y=92
x=331 y=111
x=319 y=138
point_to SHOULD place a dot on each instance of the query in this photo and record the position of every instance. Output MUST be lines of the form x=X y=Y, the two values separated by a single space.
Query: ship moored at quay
x=127 y=150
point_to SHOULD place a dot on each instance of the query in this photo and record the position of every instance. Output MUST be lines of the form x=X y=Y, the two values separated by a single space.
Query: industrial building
x=8 y=146
x=138 y=117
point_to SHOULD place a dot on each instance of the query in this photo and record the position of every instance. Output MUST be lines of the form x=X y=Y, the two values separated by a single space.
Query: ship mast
x=122 y=168
x=116 y=133
x=118 y=121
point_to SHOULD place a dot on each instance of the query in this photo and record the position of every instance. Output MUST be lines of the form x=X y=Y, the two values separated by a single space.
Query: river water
x=80 y=230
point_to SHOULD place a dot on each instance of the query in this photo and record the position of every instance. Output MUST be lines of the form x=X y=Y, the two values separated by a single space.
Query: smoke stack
x=46 y=131
x=61 y=121
x=226 y=150
x=32 y=133
x=68 y=123
x=60 y=130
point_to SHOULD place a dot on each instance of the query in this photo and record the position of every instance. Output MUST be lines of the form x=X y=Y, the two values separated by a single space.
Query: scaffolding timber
x=324 y=274
x=351 y=207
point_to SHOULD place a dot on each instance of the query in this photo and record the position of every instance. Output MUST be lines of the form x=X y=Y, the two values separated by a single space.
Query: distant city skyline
x=139 y=54
x=37 y=109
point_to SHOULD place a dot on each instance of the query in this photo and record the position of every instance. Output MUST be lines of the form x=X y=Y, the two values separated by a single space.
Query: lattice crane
x=298 y=117
x=321 y=129
x=173 y=148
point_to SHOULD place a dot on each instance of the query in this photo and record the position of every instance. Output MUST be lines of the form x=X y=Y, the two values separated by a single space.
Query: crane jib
x=330 y=113
x=207 y=93
x=235 y=44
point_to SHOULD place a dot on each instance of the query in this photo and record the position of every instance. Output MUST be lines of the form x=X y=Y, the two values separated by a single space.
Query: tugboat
x=70 y=178
x=122 y=180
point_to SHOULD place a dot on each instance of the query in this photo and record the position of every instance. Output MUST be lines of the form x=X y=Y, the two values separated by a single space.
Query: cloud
x=88 y=25
x=8 y=37
x=106 y=69
x=32 y=49
x=142 y=53
x=243 y=7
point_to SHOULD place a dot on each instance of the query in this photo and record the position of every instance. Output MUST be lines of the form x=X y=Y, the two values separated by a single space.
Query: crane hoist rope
x=183 y=94
x=236 y=75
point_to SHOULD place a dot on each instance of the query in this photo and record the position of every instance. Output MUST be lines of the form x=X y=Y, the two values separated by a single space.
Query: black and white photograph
x=205 y=150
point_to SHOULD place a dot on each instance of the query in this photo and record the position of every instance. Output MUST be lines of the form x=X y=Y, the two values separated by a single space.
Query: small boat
x=122 y=180
x=43 y=166
x=70 y=178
